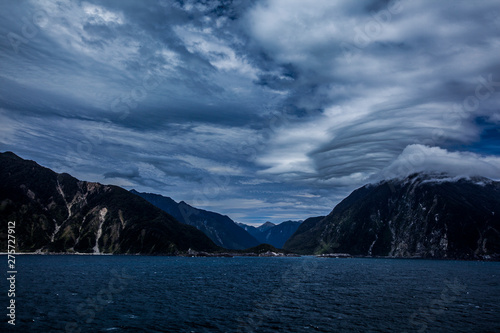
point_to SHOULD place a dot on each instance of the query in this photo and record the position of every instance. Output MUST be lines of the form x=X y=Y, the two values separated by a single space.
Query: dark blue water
x=307 y=294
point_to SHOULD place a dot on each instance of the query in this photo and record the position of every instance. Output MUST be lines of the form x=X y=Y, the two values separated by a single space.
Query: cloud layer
x=262 y=110
x=419 y=158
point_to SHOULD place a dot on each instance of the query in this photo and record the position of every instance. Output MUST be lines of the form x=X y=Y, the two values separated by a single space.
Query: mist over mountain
x=430 y=216
x=219 y=228
x=59 y=213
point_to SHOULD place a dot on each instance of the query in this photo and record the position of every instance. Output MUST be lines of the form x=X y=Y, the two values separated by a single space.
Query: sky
x=266 y=110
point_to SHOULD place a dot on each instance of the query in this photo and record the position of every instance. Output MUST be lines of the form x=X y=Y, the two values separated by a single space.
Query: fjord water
x=247 y=294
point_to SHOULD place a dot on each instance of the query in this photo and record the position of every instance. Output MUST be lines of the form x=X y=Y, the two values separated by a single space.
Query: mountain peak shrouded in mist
x=437 y=162
x=423 y=215
x=59 y=213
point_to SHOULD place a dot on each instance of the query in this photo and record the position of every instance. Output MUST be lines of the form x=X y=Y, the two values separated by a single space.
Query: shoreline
x=261 y=255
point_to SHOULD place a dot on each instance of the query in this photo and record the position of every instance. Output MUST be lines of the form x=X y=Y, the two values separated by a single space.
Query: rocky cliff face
x=58 y=213
x=219 y=228
x=421 y=216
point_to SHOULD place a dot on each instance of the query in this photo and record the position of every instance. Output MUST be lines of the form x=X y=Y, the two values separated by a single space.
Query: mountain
x=266 y=226
x=58 y=213
x=219 y=228
x=273 y=234
x=420 y=216
x=251 y=230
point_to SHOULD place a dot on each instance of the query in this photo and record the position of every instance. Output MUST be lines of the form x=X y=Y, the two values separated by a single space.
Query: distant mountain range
x=219 y=228
x=58 y=213
x=424 y=216
x=273 y=234
x=420 y=216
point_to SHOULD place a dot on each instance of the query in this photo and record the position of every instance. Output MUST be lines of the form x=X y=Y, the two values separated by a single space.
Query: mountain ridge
x=219 y=228
x=55 y=212
x=422 y=215
x=273 y=234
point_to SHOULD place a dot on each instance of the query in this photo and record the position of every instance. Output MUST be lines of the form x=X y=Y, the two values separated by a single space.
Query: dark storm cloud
x=270 y=109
